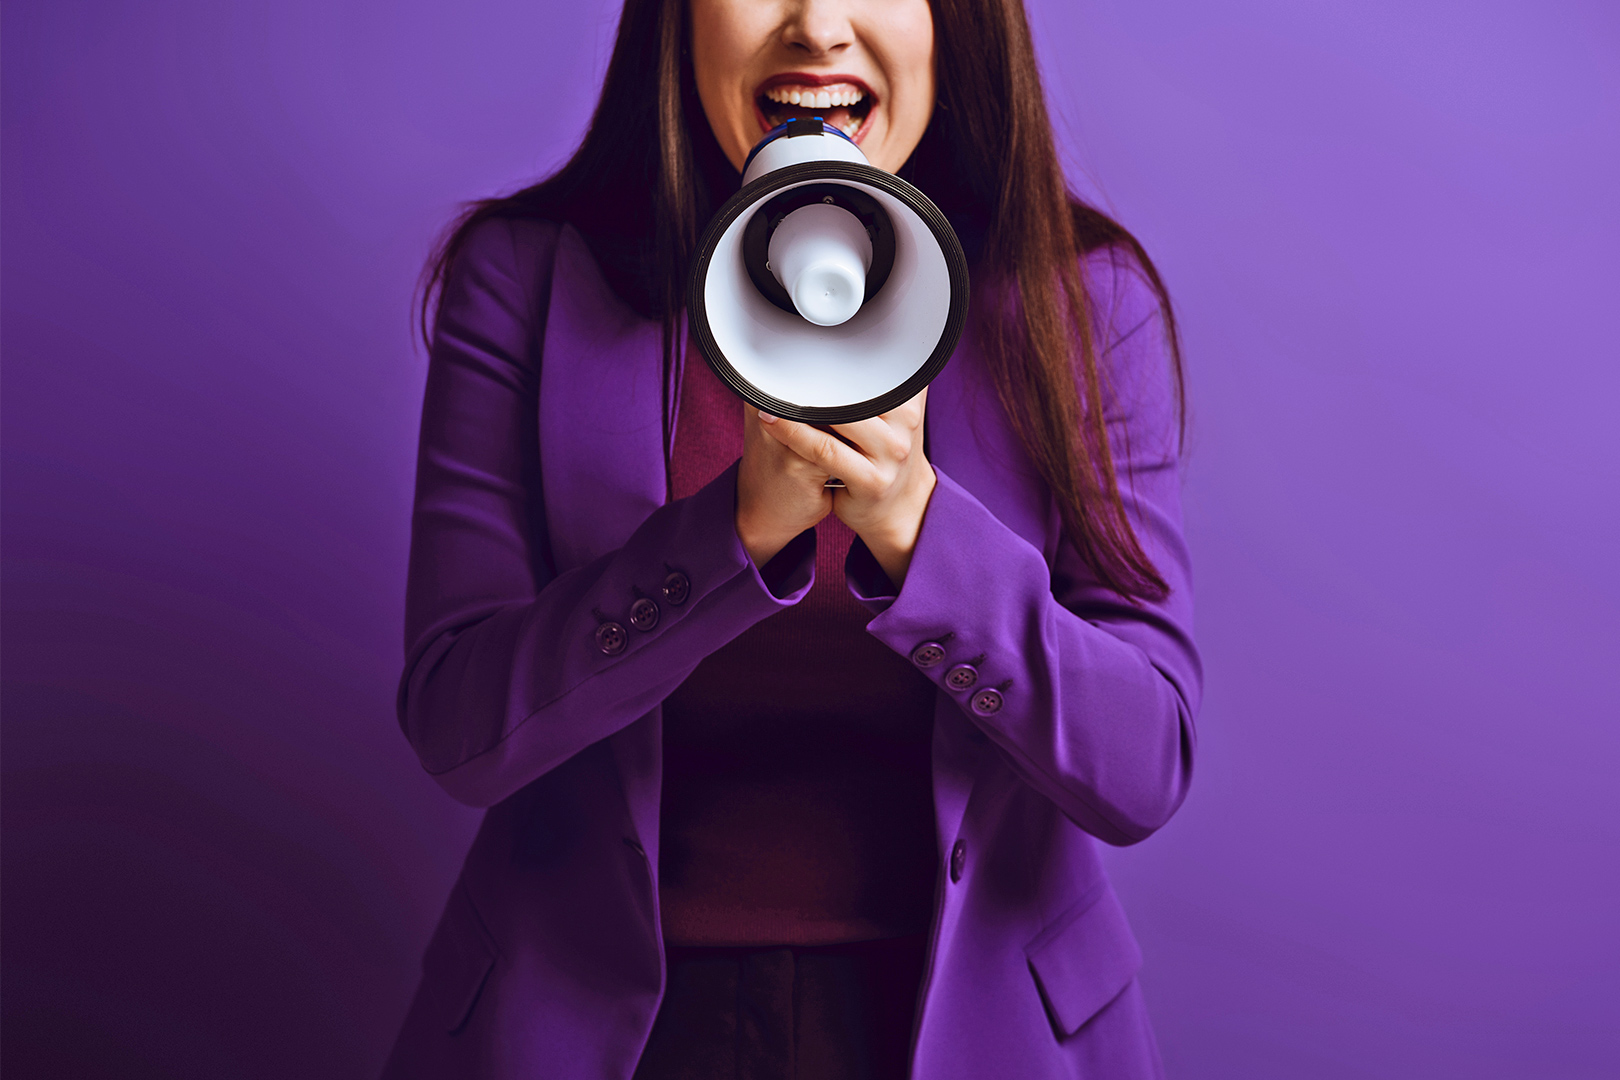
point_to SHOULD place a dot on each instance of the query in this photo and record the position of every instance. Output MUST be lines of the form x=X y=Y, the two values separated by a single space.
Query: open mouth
x=845 y=104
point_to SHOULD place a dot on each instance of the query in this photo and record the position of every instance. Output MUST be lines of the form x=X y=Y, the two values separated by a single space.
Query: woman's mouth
x=844 y=105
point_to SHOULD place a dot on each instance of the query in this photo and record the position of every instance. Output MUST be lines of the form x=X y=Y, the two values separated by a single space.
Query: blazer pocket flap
x=458 y=960
x=1084 y=959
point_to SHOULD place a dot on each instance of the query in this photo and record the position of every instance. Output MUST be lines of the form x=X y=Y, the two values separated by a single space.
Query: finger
x=901 y=421
x=785 y=455
x=818 y=446
x=878 y=438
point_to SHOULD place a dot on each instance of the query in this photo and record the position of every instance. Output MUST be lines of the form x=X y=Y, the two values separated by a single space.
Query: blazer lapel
x=601 y=432
x=970 y=439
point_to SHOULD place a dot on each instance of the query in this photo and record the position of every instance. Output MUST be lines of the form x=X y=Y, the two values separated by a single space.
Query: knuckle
x=899 y=446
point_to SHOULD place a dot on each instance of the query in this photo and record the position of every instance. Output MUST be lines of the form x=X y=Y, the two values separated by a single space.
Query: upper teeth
x=816 y=97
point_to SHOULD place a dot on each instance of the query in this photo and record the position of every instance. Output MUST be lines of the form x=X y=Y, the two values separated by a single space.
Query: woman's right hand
x=779 y=493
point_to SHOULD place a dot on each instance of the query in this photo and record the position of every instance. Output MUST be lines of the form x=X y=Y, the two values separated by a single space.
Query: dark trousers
x=826 y=1012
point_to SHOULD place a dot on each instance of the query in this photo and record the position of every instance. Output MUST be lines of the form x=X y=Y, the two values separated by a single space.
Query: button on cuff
x=677 y=587
x=928 y=654
x=611 y=638
x=962 y=677
x=987 y=702
x=644 y=614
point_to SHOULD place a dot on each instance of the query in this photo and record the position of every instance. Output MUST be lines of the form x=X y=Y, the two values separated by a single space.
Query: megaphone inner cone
x=761 y=251
x=820 y=253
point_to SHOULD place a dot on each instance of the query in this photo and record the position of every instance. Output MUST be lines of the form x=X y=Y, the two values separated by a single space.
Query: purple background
x=1392 y=229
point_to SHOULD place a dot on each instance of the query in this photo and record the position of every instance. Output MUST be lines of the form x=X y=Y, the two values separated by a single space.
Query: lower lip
x=860 y=132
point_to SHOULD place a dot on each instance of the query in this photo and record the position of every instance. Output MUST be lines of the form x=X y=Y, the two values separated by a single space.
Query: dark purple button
x=644 y=614
x=962 y=677
x=928 y=654
x=987 y=702
x=611 y=638
x=958 y=860
x=677 y=587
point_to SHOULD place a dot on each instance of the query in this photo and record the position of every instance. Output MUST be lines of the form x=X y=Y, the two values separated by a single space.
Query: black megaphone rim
x=810 y=171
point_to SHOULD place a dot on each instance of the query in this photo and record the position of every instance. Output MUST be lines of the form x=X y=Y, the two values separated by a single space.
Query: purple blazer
x=540 y=514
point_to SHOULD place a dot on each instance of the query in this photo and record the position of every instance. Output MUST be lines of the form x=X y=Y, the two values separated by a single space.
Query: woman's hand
x=887 y=478
x=779 y=493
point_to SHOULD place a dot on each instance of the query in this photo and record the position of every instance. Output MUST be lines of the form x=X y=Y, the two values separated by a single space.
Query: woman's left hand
x=886 y=475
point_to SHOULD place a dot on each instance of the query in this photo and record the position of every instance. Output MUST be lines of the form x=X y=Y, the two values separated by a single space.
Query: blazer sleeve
x=1095 y=696
x=505 y=675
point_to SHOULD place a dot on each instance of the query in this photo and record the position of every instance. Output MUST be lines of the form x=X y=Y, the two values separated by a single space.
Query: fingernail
x=767 y=417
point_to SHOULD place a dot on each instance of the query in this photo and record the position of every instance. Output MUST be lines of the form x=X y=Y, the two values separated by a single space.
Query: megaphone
x=826 y=290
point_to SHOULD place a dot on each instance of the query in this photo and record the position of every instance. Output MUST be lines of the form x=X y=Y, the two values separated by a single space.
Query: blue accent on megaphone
x=786 y=128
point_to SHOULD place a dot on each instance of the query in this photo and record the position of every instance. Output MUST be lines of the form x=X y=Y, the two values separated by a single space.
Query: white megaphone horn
x=826 y=290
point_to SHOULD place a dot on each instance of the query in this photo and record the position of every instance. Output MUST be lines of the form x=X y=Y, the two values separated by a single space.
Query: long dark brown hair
x=649 y=175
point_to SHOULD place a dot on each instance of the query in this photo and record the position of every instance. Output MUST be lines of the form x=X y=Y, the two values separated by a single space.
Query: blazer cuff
x=785 y=578
x=946 y=597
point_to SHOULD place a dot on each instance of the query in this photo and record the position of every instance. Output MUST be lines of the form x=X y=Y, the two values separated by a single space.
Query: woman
x=783 y=781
